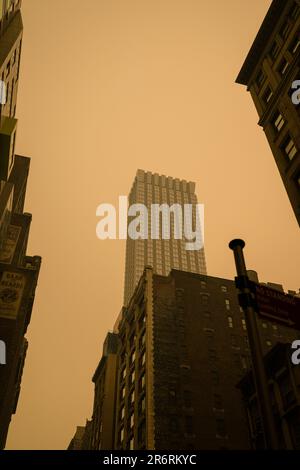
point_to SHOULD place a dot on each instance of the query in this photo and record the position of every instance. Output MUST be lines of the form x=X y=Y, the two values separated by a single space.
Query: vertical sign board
x=12 y=285
x=10 y=243
x=277 y=306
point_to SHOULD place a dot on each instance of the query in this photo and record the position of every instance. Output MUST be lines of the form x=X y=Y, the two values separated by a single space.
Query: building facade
x=76 y=442
x=182 y=349
x=284 y=386
x=103 y=419
x=162 y=254
x=18 y=272
x=270 y=72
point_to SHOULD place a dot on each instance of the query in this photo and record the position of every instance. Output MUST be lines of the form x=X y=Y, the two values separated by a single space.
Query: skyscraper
x=162 y=254
x=18 y=272
x=270 y=72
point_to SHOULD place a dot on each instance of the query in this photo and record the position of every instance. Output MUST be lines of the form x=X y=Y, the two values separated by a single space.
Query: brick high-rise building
x=270 y=73
x=182 y=349
x=18 y=272
x=163 y=254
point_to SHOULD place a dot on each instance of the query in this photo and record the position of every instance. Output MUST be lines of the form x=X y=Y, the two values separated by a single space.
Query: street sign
x=277 y=306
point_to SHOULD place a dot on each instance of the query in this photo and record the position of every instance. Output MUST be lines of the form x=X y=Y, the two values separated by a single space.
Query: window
x=209 y=332
x=244 y=324
x=275 y=327
x=132 y=340
x=132 y=377
x=8 y=69
x=131 y=398
x=212 y=354
x=284 y=30
x=295 y=44
x=203 y=285
x=220 y=427
x=122 y=412
x=278 y=121
x=230 y=322
x=172 y=397
x=214 y=377
x=2 y=92
x=289 y=148
x=227 y=304
x=142 y=340
x=187 y=398
x=142 y=320
x=286 y=390
x=142 y=382
x=294 y=11
x=131 y=444
x=224 y=289
x=189 y=425
x=141 y=432
x=260 y=79
x=283 y=66
x=267 y=95
x=142 y=405
x=132 y=420
x=14 y=57
x=143 y=360
x=173 y=424
x=207 y=315
x=218 y=402
x=269 y=343
x=121 y=436
x=274 y=51
x=234 y=340
x=264 y=325
x=132 y=357
x=244 y=362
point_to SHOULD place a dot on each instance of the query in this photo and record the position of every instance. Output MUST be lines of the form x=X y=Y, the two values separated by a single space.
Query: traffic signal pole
x=258 y=368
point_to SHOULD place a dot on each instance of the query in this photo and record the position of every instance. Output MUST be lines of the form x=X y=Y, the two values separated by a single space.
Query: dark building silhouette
x=284 y=384
x=77 y=441
x=182 y=349
x=269 y=72
x=18 y=272
x=103 y=419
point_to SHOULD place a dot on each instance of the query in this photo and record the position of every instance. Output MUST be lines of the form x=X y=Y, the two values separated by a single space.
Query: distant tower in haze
x=271 y=72
x=163 y=255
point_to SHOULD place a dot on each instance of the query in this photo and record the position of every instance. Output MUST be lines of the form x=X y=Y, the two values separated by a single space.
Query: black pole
x=258 y=368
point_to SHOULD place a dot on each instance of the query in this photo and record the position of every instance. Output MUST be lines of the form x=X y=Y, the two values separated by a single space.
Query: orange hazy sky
x=109 y=86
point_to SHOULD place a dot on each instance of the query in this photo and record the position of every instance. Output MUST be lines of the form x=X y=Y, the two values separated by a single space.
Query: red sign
x=277 y=306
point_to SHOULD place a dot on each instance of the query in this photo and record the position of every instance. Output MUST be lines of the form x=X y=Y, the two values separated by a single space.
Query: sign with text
x=12 y=286
x=10 y=243
x=277 y=306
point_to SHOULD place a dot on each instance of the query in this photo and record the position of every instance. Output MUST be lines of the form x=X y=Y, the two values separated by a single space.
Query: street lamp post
x=258 y=368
